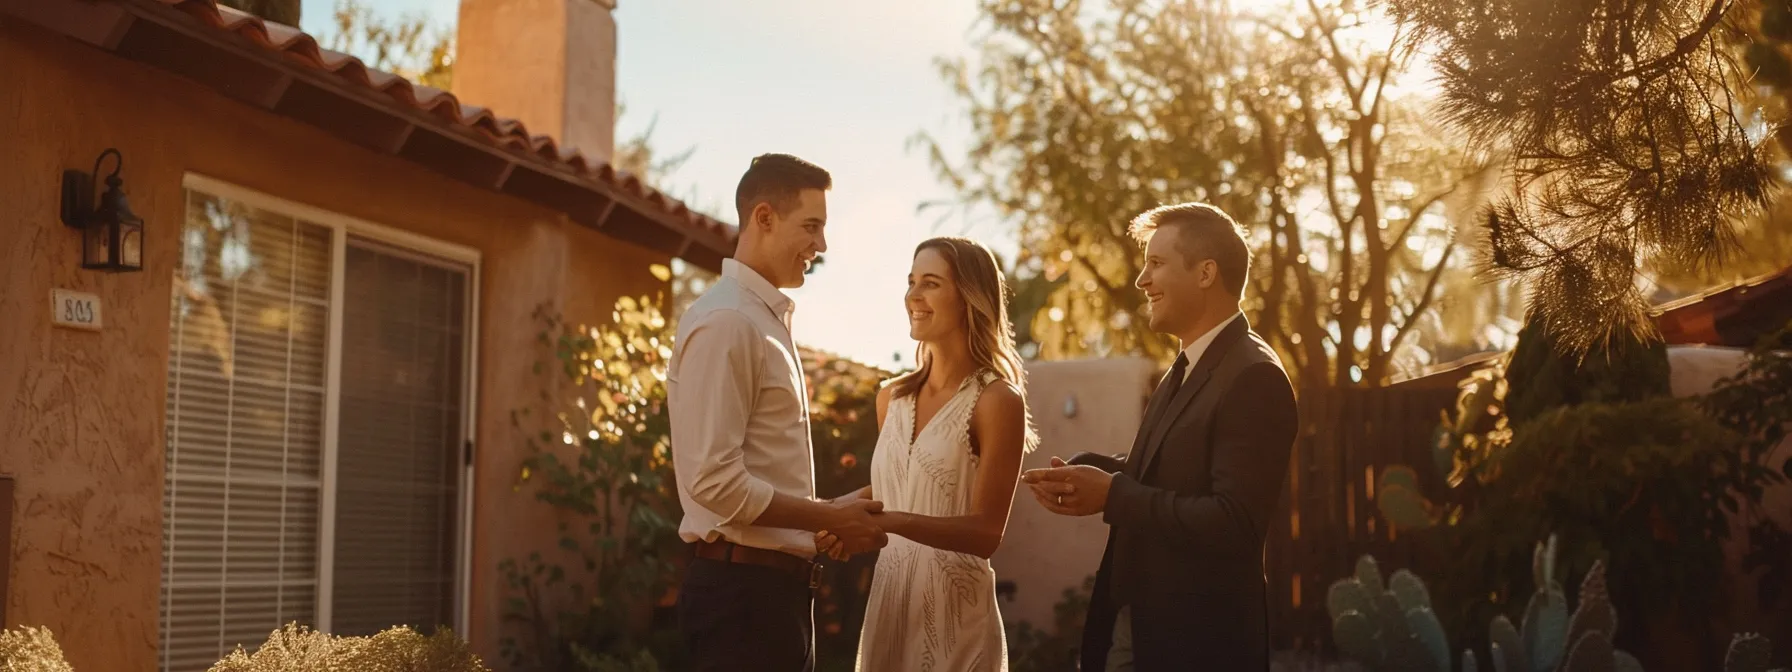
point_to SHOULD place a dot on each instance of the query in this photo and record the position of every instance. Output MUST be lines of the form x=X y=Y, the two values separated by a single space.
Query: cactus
x=1369 y=574
x=1595 y=613
x=1386 y=628
x=1591 y=653
x=1355 y=635
x=1348 y=595
x=1508 y=649
x=1423 y=624
x=1545 y=629
x=1409 y=590
x=1749 y=652
x=1396 y=628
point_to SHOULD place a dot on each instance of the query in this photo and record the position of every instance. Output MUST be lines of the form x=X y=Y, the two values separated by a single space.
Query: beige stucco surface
x=81 y=413
x=1695 y=369
x=1044 y=553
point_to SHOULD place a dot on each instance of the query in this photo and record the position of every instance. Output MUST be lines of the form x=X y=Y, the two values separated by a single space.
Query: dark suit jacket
x=1187 y=514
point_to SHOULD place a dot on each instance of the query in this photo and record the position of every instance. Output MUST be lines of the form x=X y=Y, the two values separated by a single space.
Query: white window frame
x=341 y=228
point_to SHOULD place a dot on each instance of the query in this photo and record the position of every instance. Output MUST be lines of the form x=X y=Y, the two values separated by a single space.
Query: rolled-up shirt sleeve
x=717 y=376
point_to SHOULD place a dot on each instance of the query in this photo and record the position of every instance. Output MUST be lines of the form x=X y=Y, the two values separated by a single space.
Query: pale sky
x=843 y=83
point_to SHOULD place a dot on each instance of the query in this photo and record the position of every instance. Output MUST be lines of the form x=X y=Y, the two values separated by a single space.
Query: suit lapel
x=1197 y=379
x=1160 y=398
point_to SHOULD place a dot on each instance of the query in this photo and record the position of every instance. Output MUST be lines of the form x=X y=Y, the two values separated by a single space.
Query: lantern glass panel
x=130 y=246
x=96 y=244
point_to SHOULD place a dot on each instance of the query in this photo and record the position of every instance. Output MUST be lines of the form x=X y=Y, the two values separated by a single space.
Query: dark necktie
x=1178 y=372
x=1166 y=391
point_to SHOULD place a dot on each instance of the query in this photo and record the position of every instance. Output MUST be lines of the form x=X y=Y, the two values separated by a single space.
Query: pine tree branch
x=1682 y=48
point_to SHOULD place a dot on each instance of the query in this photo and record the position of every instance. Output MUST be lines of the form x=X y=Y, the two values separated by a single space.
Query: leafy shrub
x=31 y=650
x=296 y=648
x=603 y=460
x=1595 y=451
x=1033 y=649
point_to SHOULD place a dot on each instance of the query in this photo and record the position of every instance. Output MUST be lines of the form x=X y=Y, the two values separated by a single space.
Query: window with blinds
x=397 y=466
x=244 y=531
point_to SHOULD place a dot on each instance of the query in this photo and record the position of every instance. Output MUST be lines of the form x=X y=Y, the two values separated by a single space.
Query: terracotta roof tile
x=297 y=46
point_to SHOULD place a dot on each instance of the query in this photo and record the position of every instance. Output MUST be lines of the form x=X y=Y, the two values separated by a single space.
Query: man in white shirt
x=740 y=438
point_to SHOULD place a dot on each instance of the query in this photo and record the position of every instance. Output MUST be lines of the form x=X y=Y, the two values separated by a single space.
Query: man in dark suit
x=1181 y=585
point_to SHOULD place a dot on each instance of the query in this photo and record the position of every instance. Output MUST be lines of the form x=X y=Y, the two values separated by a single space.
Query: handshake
x=853 y=525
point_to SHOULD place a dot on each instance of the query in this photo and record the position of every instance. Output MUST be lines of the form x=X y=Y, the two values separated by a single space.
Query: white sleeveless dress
x=930 y=610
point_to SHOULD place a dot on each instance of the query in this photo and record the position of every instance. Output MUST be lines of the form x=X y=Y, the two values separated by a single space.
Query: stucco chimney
x=549 y=63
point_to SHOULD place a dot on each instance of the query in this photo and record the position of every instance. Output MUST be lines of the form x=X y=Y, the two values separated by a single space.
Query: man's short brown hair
x=777 y=180
x=1202 y=232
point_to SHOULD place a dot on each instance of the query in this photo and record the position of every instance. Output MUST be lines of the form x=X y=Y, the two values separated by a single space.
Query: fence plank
x=1354 y=434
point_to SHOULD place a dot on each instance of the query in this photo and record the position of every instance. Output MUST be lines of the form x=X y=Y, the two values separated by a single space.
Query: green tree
x=409 y=46
x=1293 y=122
x=278 y=11
x=1630 y=136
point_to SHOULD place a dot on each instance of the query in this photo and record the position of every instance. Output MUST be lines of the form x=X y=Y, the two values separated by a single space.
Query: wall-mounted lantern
x=111 y=235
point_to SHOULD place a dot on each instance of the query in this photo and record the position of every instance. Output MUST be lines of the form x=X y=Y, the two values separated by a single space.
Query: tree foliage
x=1293 y=122
x=1630 y=142
x=409 y=46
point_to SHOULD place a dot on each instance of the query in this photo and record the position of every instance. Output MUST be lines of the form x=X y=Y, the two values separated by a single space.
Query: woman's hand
x=828 y=544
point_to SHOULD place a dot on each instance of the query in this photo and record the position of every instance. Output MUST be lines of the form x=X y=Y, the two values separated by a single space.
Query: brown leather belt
x=726 y=551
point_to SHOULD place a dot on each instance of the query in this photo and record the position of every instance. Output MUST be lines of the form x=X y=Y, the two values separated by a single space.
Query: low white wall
x=1043 y=553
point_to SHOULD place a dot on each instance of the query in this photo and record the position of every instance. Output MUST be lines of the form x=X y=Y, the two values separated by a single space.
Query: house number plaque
x=75 y=310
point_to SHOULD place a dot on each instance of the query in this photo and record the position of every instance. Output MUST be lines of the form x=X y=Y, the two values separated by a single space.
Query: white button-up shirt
x=740 y=414
x=1198 y=347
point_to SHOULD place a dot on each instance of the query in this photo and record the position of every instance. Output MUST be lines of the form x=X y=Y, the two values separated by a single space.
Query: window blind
x=245 y=410
x=398 y=442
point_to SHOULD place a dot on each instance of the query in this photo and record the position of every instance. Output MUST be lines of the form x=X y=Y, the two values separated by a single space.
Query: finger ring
x=1060 y=500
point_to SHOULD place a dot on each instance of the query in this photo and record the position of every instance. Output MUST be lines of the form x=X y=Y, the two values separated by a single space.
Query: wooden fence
x=1328 y=517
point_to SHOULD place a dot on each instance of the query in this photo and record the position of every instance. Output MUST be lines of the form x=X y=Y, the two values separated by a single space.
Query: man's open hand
x=1069 y=490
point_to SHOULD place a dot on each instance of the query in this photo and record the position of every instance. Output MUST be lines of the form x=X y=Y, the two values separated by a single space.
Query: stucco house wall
x=83 y=413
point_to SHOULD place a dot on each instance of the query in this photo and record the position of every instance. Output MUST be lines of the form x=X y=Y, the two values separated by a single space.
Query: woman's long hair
x=984 y=291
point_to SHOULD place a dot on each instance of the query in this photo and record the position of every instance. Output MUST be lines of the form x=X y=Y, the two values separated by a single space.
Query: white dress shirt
x=1198 y=347
x=740 y=414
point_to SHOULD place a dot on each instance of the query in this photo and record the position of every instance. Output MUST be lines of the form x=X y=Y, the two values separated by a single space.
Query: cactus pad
x=1430 y=633
x=1391 y=618
x=1749 y=652
x=1545 y=629
x=1403 y=507
x=1354 y=633
x=1348 y=595
x=1508 y=649
x=1369 y=574
x=1410 y=590
x=1595 y=613
x=1591 y=653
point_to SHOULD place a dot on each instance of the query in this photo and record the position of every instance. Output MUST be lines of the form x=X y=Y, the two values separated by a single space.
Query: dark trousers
x=746 y=617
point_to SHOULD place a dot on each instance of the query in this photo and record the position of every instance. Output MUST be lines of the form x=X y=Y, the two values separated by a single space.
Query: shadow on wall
x=1086 y=405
